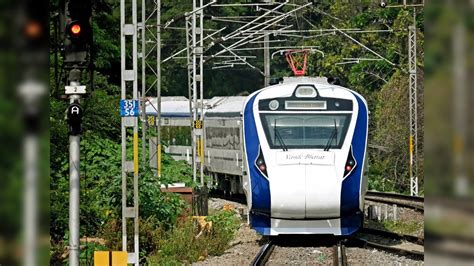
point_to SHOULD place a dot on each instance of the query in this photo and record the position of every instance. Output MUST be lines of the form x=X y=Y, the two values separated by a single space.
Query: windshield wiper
x=333 y=135
x=278 y=136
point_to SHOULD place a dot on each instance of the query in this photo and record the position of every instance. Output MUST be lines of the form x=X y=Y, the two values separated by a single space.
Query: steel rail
x=413 y=253
x=409 y=238
x=339 y=254
x=412 y=202
x=264 y=254
x=392 y=195
x=415 y=207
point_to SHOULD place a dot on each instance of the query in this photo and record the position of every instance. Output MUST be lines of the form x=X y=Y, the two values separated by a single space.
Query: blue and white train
x=305 y=143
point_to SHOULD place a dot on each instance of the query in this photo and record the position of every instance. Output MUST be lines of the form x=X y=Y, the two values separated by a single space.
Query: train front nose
x=288 y=193
x=323 y=192
x=305 y=192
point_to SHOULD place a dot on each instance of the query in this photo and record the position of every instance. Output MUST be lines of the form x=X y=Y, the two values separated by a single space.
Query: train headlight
x=273 y=105
x=306 y=92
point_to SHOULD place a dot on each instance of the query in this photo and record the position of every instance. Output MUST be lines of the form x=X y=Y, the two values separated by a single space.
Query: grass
x=321 y=258
x=408 y=228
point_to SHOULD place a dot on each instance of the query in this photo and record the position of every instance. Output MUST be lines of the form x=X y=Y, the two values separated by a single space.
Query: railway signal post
x=77 y=43
x=74 y=118
x=31 y=90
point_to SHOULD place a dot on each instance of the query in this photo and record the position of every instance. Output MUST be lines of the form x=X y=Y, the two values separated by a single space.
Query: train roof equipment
x=178 y=106
x=225 y=106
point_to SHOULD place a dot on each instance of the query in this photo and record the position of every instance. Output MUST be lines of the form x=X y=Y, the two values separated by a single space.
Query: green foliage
x=173 y=241
x=152 y=230
x=87 y=254
x=101 y=172
x=166 y=207
x=184 y=244
x=101 y=188
x=389 y=168
x=403 y=227
x=225 y=225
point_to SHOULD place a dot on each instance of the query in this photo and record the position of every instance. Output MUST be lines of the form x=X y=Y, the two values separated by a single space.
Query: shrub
x=183 y=245
x=224 y=227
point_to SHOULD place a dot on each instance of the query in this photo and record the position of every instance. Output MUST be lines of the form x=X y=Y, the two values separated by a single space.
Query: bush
x=183 y=245
x=224 y=225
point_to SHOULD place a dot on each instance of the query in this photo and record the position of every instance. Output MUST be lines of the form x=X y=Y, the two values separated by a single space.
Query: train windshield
x=305 y=131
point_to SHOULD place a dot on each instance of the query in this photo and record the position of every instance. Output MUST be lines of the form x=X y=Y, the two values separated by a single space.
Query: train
x=296 y=150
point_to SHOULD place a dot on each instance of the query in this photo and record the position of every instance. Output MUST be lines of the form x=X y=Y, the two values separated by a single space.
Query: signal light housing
x=78 y=31
x=350 y=164
x=260 y=164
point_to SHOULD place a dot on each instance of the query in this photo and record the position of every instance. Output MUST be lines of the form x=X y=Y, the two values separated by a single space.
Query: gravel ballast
x=247 y=243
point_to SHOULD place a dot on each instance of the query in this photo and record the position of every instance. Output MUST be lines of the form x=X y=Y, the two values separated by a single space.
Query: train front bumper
x=341 y=226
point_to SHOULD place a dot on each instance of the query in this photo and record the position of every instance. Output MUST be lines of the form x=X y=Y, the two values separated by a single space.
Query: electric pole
x=129 y=112
x=195 y=58
x=266 y=59
x=412 y=95
x=413 y=103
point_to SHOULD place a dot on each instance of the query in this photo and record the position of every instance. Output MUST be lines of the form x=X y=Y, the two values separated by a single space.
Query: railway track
x=339 y=253
x=411 y=202
x=264 y=254
x=361 y=240
x=364 y=242
x=410 y=238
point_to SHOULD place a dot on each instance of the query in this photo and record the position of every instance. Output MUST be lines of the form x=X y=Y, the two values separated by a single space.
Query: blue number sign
x=128 y=108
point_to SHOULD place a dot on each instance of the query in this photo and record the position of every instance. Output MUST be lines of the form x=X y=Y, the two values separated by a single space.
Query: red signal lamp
x=348 y=168
x=33 y=29
x=262 y=167
x=75 y=29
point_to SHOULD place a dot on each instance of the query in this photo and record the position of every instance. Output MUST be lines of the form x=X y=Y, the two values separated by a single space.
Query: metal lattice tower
x=195 y=47
x=413 y=108
x=150 y=33
x=128 y=33
x=413 y=97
